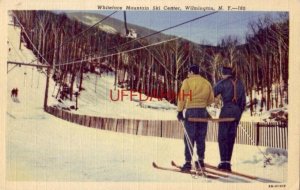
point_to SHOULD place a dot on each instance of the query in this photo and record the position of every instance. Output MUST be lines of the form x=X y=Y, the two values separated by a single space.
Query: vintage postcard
x=150 y=95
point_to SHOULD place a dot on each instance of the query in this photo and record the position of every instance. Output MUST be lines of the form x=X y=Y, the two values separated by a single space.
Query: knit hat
x=194 y=68
x=226 y=70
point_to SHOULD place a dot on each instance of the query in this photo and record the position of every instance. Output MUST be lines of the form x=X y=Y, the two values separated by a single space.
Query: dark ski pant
x=196 y=132
x=227 y=131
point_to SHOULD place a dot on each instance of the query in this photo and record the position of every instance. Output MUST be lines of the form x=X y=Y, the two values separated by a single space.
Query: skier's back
x=195 y=105
x=234 y=101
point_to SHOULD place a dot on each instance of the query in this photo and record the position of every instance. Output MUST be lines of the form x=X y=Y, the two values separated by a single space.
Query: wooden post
x=257 y=134
x=285 y=136
x=46 y=90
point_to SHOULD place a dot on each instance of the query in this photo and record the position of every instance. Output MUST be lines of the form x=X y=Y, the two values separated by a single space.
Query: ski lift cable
x=160 y=31
x=126 y=51
x=158 y=60
x=202 y=68
x=30 y=39
x=157 y=32
x=225 y=24
x=79 y=34
x=141 y=37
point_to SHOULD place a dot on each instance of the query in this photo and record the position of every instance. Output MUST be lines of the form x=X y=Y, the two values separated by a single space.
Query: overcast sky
x=208 y=30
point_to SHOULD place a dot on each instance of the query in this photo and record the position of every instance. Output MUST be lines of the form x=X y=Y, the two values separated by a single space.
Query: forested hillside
x=74 y=48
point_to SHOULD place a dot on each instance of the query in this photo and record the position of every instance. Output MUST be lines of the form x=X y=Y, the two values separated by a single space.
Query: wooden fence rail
x=251 y=133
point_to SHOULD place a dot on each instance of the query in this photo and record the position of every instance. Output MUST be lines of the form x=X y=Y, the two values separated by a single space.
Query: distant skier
x=201 y=96
x=234 y=101
x=12 y=94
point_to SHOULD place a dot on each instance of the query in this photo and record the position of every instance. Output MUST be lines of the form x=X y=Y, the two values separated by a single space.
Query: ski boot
x=225 y=166
x=186 y=167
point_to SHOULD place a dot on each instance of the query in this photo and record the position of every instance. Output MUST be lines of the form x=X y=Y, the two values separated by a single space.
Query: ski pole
x=190 y=146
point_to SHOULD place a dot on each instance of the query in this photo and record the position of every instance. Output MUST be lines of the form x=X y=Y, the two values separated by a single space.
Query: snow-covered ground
x=97 y=101
x=41 y=147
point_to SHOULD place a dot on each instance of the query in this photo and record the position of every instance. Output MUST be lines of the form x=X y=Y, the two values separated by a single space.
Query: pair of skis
x=209 y=171
x=191 y=172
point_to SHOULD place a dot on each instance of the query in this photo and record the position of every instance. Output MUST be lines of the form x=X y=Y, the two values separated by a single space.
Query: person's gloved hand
x=209 y=116
x=180 y=116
